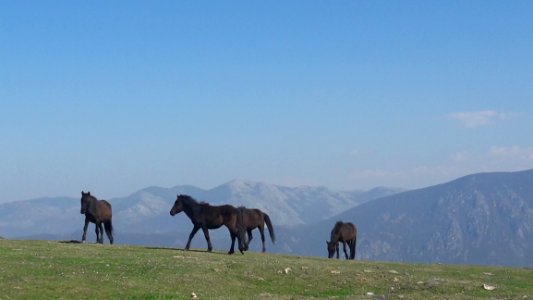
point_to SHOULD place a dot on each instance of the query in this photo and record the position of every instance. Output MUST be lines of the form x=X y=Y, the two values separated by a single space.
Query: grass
x=46 y=269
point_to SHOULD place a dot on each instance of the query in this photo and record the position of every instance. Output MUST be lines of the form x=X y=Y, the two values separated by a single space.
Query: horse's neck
x=190 y=208
x=335 y=236
x=92 y=205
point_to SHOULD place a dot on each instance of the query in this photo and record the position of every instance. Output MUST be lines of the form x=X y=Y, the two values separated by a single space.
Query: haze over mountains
x=477 y=219
x=147 y=211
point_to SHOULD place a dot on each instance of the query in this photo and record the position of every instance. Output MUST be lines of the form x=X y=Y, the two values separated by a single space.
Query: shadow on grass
x=190 y=250
x=155 y=248
x=70 y=242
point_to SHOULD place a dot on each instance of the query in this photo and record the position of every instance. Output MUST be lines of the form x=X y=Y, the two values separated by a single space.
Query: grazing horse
x=98 y=212
x=206 y=216
x=253 y=218
x=345 y=233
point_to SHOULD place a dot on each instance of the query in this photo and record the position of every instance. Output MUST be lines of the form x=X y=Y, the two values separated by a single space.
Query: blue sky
x=114 y=96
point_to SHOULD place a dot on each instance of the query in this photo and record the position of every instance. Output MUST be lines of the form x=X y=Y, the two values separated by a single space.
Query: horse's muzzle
x=172 y=213
x=82 y=212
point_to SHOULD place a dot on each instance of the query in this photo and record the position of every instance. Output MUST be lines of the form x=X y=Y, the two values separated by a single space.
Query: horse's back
x=254 y=213
x=104 y=210
x=344 y=230
x=252 y=217
x=228 y=210
x=216 y=216
x=350 y=229
x=351 y=226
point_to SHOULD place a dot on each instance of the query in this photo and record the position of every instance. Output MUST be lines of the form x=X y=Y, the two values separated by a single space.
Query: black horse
x=253 y=218
x=206 y=216
x=98 y=212
x=345 y=233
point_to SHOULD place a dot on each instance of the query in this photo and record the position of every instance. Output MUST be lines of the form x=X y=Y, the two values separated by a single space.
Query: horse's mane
x=191 y=200
x=337 y=226
x=91 y=197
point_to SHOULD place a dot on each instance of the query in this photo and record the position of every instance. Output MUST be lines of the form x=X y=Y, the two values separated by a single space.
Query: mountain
x=40 y=216
x=483 y=218
x=144 y=216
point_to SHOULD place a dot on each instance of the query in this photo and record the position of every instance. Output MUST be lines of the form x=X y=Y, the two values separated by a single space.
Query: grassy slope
x=41 y=269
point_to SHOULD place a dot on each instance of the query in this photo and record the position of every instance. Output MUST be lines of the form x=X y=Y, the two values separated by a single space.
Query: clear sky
x=115 y=96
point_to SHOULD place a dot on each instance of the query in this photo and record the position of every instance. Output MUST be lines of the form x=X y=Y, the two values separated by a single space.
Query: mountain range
x=484 y=218
x=146 y=213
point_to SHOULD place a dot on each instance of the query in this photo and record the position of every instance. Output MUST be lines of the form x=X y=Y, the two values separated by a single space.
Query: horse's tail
x=241 y=229
x=270 y=228
x=352 y=252
x=108 y=226
x=352 y=246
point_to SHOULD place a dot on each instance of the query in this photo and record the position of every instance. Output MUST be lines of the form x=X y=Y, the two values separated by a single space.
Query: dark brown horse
x=206 y=216
x=97 y=212
x=253 y=218
x=345 y=233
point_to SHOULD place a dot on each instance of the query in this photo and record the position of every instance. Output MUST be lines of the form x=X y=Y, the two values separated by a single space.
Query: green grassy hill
x=43 y=270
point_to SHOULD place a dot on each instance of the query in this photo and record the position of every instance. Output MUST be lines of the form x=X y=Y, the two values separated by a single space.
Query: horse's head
x=85 y=197
x=332 y=247
x=178 y=205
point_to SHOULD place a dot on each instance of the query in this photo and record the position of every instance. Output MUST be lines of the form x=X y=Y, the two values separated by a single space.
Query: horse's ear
x=82 y=193
x=89 y=193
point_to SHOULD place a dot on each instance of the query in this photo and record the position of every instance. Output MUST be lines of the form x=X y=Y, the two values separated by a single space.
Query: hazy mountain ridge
x=147 y=211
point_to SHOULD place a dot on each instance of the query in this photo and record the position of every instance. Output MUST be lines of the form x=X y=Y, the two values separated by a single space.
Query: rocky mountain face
x=478 y=219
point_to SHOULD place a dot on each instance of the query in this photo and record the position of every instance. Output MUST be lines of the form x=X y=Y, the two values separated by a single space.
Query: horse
x=205 y=216
x=252 y=218
x=98 y=212
x=345 y=233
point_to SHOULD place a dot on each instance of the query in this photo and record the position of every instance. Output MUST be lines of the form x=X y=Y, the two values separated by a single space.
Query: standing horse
x=345 y=233
x=206 y=216
x=255 y=218
x=98 y=212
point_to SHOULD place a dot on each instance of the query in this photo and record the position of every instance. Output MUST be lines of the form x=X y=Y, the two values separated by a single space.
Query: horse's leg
x=97 y=231
x=337 y=249
x=241 y=239
x=85 y=230
x=206 y=234
x=101 y=232
x=344 y=248
x=232 y=236
x=191 y=235
x=262 y=232
x=250 y=236
x=246 y=242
